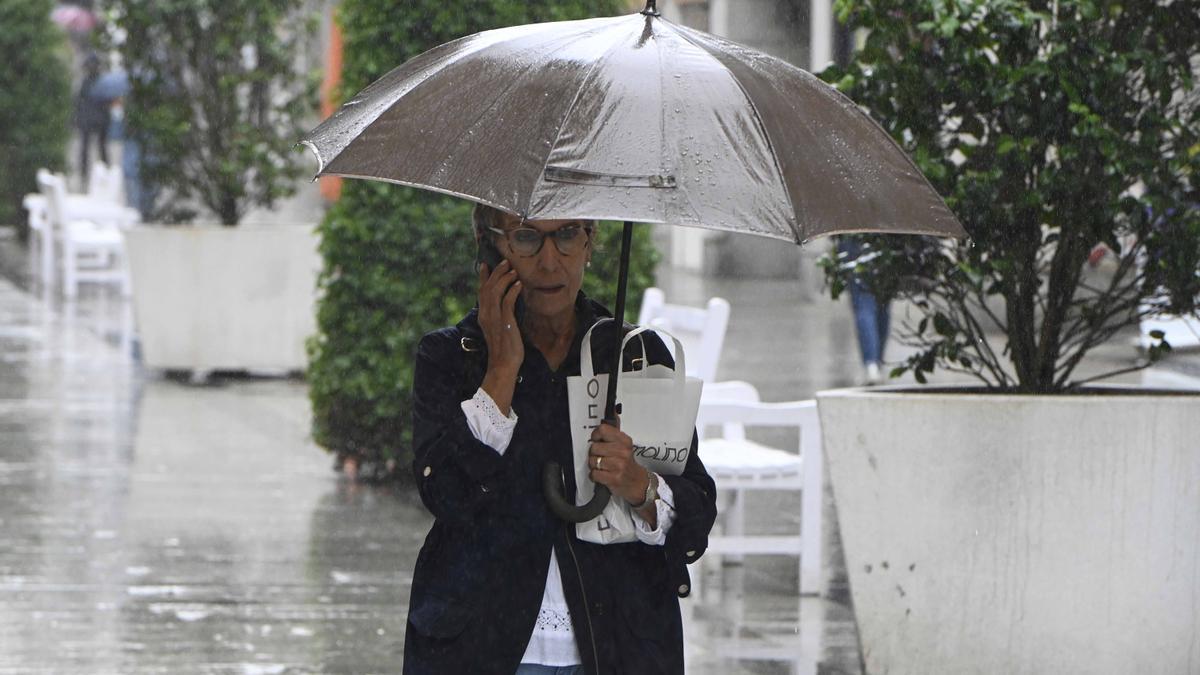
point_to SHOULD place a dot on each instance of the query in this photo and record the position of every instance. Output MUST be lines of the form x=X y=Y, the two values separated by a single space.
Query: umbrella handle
x=651 y=8
x=552 y=485
x=553 y=488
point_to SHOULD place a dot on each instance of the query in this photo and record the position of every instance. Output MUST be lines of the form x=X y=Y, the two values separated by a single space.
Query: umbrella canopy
x=73 y=18
x=110 y=86
x=632 y=118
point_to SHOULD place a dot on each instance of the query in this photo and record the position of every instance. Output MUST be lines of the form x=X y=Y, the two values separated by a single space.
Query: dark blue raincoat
x=480 y=575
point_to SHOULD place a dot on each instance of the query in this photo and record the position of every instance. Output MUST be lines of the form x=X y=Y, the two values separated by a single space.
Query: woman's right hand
x=498 y=293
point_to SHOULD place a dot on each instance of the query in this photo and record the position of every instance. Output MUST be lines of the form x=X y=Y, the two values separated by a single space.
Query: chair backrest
x=55 y=190
x=800 y=414
x=727 y=391
x=105 y=182
x=38 y=207
x=700 y=330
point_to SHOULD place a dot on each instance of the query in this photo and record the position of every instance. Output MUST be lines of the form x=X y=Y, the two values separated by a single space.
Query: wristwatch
x=651 y=492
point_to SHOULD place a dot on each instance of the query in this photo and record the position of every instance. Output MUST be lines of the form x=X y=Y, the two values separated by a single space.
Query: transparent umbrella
x=637 y=119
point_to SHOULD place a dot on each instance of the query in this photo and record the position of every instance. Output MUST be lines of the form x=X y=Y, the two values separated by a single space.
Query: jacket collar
x=587 y=312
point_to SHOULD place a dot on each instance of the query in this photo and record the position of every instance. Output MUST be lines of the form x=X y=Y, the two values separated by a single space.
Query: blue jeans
x=871 y=317
x=538 y=669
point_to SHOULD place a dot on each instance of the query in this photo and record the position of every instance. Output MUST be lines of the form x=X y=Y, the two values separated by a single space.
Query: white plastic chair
x=701 y=330
x=92 y=248
x=41 y=250
x=106 y=183
x=738 y=465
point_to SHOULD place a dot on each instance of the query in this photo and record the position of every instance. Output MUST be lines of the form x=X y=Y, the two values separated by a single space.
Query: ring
x=508 y=326
x=598 y=460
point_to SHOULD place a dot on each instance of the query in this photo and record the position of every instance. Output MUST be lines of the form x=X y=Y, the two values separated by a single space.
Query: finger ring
x=598 y=461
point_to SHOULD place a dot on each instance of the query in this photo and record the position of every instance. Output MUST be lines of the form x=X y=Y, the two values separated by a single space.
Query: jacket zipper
x=587 y=612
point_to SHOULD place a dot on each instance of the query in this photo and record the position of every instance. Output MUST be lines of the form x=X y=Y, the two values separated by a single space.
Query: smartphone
x=489 y=255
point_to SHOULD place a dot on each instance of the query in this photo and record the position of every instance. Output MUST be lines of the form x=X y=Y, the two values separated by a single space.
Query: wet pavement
x=149 y=525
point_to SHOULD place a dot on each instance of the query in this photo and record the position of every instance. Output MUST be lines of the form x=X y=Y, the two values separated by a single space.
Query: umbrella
x=73 y=18
x=110 y=86
x=631 y=118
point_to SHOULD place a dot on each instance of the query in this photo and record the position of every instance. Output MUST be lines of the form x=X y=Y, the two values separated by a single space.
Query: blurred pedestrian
x=871 y=315
x=92 y=115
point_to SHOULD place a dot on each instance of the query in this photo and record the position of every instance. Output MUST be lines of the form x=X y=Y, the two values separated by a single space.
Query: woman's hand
x=498 y=292
x=611 y=463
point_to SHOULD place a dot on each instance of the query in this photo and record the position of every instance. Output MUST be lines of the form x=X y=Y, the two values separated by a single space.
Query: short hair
x=484 y=217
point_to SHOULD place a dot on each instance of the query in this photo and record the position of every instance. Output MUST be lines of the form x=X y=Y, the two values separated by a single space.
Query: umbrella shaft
x=619 y=316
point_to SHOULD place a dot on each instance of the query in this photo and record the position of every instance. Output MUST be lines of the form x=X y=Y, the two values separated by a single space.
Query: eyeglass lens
x=527 y=241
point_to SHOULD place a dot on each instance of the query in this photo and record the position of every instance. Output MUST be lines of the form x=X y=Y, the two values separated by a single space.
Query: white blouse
x=553 y=640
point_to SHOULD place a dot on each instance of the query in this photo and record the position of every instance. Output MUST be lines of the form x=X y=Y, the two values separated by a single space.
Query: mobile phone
x=489 y=255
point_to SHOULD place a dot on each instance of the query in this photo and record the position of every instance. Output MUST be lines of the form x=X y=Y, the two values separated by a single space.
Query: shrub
x=1050 y=127
x=35 y=106
x=398 y=262
x=216 y=102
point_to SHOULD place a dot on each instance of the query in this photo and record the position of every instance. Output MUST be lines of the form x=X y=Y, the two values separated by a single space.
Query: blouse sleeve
x=665 y=507
x=490 y=426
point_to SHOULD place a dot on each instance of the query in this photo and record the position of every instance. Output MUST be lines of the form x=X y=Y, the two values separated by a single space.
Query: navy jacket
x=480 y=575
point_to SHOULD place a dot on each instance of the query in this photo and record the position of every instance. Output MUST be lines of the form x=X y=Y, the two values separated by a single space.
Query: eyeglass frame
x=542 y=237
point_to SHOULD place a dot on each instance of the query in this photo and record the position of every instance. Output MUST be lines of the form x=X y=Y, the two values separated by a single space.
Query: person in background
x=871 y=315
x=92 y=116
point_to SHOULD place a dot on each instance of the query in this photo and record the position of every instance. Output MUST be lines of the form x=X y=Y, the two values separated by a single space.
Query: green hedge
x=399 y=262
x=35 y=100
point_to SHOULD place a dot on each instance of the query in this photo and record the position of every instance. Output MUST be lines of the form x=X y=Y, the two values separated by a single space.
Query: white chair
x=92 y=248
x=103 y=204
x=738 y=465
x=106 y=184
x=41 y=248
x=700 y=330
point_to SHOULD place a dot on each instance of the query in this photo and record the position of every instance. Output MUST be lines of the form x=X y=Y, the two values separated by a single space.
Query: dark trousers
x=86 y=137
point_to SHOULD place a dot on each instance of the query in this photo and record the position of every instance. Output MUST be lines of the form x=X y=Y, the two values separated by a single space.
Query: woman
x=501 y=585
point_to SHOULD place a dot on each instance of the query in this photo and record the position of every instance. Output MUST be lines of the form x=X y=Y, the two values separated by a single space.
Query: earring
x=589 y=263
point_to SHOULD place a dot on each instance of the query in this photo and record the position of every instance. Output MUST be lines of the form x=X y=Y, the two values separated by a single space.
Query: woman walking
x=501 y=585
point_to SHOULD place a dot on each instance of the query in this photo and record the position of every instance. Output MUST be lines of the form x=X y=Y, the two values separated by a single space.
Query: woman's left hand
x=611 y=463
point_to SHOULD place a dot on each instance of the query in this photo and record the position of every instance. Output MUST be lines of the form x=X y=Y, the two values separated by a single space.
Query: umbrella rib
x=567 y=115
x=515 y=80
x=797 y=235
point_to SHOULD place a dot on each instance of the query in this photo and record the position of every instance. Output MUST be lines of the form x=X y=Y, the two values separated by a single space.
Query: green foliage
x=399 y=262
x=35 y=103
x=216 y=101
x=1050 y=127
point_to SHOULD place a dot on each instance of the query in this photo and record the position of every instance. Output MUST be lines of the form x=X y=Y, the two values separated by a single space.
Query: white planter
x=224 y=298
x=1018 y=535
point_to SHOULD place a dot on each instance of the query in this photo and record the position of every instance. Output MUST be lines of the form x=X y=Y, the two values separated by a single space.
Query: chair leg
x=126 y=279
x=46 y=249
x=735 y=523
x=70 y=270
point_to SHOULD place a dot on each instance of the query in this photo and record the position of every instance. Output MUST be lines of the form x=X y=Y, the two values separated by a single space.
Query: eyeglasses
x=527 y=241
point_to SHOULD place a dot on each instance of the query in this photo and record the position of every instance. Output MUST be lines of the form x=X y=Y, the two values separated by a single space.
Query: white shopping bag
x=658 y=411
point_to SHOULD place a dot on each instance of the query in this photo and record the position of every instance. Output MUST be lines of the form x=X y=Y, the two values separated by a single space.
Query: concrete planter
x=1019 y=534
x=224 y=298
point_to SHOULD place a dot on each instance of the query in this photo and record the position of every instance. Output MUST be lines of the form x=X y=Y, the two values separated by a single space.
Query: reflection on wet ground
x=148 y=525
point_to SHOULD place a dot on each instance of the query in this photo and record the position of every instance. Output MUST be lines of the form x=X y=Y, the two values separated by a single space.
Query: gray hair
x=484 y=216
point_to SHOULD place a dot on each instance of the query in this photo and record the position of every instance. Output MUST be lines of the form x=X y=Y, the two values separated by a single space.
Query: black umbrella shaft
x=610 y=413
